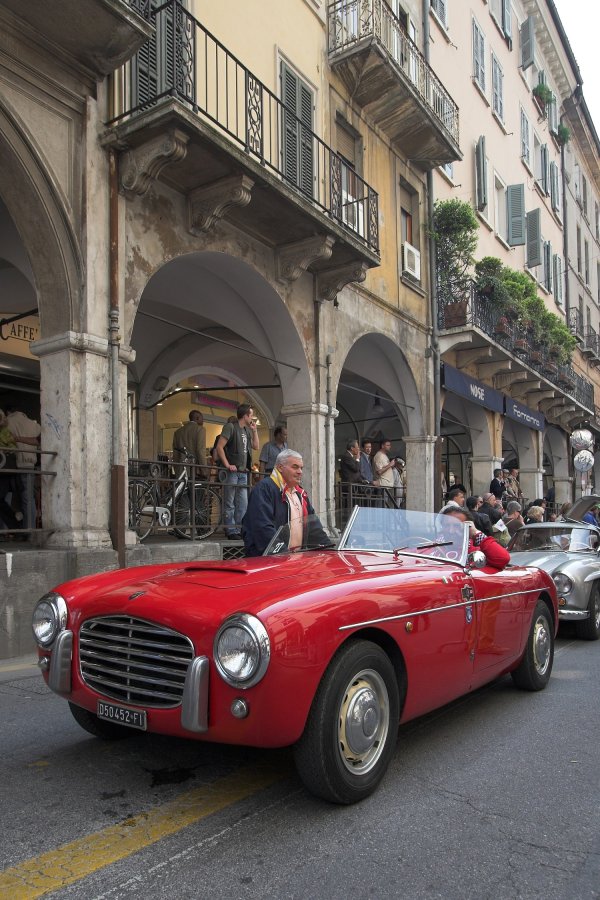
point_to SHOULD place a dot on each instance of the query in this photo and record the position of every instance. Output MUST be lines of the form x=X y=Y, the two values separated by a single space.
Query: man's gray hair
x=512 y=507
x=286 y=455
x=487 y=497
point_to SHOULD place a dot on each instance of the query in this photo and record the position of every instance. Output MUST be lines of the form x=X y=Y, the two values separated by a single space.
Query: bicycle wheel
x=207 y=514
x=142 y=508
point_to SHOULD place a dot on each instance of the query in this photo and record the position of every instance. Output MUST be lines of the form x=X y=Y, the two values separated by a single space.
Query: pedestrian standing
x=234 y=449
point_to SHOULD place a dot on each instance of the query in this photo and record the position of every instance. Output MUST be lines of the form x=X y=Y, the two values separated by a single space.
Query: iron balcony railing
x=352 y=21
x=185 y=61
x=575 y=322
x=475 y=311
x=142 y=7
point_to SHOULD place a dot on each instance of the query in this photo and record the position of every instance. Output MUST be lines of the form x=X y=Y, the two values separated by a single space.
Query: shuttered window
x=507 y=19
x=547 y=274
x=144 y=67
x=481 y=177
x=543 y=175
x=497 y=88
x=478 y=56
x=534 y=239
x=525 y=139
x=440 y=9
x=557 y=277
x=515 y=204
x=527 y=42
x=154 y=65
x=298 y=151
x=554 y=187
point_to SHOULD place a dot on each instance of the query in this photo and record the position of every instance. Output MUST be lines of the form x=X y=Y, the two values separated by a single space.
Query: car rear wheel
x=98 y=727
x=589 y=629
x=533 y=672
x=350 y=735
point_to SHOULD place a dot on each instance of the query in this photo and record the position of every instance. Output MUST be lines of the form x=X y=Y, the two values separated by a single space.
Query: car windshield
x=566 y=538
x=400 y=531
x=406 y=532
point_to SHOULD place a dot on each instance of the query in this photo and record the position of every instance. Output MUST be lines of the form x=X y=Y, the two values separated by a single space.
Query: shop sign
x=531 y=418
x=472 y=389
x=16 y=336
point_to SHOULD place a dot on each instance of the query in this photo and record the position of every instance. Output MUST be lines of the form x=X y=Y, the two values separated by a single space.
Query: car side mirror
x=476 y=560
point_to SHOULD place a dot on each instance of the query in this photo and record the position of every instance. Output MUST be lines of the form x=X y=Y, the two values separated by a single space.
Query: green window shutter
x=144 y=70
x=544 y=174
x=515 y=206
x=478 y=56
x=548 y=265
x=553 y=115
x=554 y=187
x=481 y=197
x=297 y=131
x=534 y=238
x=527 y=42
x=507 y=18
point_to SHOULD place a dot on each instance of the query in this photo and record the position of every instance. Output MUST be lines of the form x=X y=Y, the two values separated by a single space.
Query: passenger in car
x=497 y=556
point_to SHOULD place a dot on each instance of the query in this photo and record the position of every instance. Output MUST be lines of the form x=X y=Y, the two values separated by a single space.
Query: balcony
x=199 y=120
x=100 y=34
x=590 y=348
x=388 y=77
x=473 y=328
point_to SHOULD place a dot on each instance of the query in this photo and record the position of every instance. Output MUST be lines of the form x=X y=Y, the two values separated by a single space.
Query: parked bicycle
x=191 y=508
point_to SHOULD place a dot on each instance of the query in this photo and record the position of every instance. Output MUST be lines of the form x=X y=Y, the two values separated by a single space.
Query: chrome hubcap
x=363 y=721
x=596 y=611
x=541 y=645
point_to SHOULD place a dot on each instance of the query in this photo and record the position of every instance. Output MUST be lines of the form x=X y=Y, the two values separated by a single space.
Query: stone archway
x=378 y=396
x=556 y=447
x=212 y=312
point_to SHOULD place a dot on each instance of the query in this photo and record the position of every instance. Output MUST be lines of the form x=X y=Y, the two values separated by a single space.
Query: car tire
x=534 y=670
x=108 y=731
x=589 y=629
x=350 y=735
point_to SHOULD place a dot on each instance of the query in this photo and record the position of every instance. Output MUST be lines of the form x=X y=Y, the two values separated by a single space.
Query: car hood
x=212 y=590
x=549 y=562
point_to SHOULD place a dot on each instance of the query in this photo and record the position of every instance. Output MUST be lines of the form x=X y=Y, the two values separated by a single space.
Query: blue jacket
x=267 y=511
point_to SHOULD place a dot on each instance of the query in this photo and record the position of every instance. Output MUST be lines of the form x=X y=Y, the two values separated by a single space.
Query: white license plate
x=121 y=715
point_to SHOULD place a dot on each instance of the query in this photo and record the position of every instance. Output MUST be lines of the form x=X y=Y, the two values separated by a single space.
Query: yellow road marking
x=72 y=862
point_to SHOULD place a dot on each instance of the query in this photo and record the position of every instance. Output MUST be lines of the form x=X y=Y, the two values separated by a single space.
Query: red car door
x=499 y=605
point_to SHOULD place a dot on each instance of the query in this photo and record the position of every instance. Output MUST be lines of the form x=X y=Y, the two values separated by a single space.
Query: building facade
x=202 y=204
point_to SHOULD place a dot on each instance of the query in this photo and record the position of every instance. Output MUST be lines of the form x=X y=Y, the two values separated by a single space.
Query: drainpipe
x=117 y=492
x=434 y=344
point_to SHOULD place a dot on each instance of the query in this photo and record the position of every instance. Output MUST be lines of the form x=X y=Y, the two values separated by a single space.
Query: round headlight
x=49 y=618
x=242 y=650
x=563 y=583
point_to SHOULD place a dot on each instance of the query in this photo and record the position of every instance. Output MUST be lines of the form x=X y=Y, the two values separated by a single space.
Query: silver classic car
x=570 y=553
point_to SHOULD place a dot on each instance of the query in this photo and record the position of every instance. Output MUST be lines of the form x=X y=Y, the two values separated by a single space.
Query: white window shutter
x=507 y=18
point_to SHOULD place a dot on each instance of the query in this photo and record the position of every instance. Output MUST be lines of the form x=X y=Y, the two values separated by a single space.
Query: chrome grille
x=134 y=661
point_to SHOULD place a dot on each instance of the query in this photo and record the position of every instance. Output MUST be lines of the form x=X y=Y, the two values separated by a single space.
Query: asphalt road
x=495 y=796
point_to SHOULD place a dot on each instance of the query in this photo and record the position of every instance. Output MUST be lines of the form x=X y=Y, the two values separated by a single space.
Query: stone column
x=482 y=472
x=420 y=472
x=311 y=432
x=76 y=426
x=532 y=483
x=563 y=490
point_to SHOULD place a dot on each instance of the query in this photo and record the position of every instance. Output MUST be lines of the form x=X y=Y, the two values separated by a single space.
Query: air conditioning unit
x=411 y=261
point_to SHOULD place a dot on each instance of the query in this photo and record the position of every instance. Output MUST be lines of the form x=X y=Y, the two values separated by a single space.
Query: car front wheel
x=533 y=672
x=98 y=727
x=589 y=629
x=350 y=735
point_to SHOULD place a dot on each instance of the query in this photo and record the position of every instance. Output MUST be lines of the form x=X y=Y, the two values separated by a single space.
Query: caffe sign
x=17 y=333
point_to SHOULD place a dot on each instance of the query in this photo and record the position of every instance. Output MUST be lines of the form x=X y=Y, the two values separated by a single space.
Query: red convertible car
x=324 y=649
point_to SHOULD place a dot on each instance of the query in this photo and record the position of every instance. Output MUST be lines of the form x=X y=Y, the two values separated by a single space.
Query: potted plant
x=543 y=95
x=563 y=135
x=493 y=293
x=454 y=230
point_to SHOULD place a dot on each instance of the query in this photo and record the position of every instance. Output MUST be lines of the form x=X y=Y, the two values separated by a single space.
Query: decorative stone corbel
x=209 y=203
x=141 y=166
x=294 y=259
x=331 y=281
